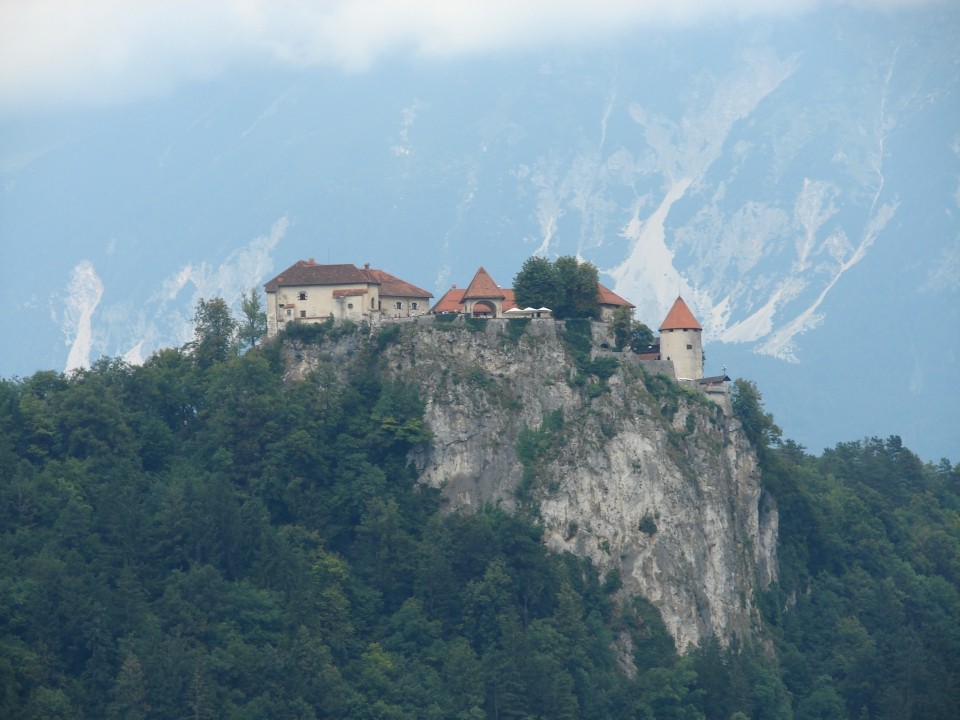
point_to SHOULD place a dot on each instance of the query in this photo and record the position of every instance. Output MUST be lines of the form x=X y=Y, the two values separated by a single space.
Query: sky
x=119 y=62
x=77 y=53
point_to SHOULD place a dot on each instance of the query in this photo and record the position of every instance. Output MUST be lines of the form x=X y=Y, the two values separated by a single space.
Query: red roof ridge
x=680 y=318
x=450 y=302
x=609 y=297
x=482 y=286
x=391 y=285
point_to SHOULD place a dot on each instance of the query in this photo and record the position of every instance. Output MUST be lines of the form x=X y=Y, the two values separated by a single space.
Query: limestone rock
x=651 y=480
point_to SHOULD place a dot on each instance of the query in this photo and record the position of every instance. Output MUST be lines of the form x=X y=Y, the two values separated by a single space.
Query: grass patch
x=592 y=374
x=516 y=328
x=648 y=526
x=445 y=322
x=314 y=333
x=476 y=324
x=534 y=448
x=389 y=335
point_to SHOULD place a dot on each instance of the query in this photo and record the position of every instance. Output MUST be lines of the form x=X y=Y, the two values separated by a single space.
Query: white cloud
x=57 y=52
x=944 y=276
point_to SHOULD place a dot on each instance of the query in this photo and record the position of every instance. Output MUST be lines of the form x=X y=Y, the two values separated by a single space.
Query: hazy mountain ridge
x=778 y=176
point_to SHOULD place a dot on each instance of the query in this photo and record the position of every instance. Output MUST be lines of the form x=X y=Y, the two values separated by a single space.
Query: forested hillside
x=196 y=538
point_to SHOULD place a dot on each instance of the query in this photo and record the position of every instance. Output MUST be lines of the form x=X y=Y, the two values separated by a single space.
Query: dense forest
x=197 y=538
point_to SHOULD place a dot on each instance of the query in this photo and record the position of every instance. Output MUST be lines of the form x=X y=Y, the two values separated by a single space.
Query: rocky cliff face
x=648 y=479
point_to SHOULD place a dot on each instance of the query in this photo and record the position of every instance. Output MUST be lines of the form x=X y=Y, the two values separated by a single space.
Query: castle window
x=399 y=306
x=302 y=295
x=689 y=347
x=349 y=306
x=289 y=312
x=303 y=313
x=413 y=306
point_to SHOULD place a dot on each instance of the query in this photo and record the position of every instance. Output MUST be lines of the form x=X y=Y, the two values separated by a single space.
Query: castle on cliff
x=308 y=291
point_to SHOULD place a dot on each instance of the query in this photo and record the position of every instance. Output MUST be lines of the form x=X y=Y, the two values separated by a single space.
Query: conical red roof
x=482 y=287
x=680 y=318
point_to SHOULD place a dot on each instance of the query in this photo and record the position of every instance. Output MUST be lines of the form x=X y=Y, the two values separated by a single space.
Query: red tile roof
x=450 y=302
x=680 y=318
x=609 y=297
x=392 y=286
x=482 y=286
x=307 y=272
x=350 y=292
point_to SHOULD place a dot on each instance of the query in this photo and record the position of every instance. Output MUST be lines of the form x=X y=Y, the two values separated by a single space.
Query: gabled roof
x=680 y=318
x=714 y=380
x=483 y=287
x=307 y=272
x=392 y=286
x=450 y=302
x=609 y=297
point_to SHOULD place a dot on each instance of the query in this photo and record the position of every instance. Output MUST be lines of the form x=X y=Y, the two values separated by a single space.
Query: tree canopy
x=210 y=539
x=253 y=326
x=629 y=333
x=537 y=284
x=567 y=286
x=215 y=332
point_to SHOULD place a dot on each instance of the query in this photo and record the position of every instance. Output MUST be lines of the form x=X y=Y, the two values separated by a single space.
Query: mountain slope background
x=798 y=181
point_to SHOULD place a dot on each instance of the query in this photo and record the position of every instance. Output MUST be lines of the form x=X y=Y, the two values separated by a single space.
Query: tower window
x=302 y=295
x=689 y=347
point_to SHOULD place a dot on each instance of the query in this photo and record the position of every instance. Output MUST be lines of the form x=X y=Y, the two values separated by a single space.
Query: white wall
x=687 y=361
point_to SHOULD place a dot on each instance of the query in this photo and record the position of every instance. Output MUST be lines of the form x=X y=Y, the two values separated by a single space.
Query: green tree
x=758 y=424
x=129 y=692
x=641 y=337
x=215 y=333
x=621 y=325
x=628 y=332
x=537 y=284
x=567 y=286
x=579 y=282
x=254 y=324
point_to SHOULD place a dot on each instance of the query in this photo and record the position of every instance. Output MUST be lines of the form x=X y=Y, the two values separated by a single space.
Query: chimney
x=366 y=266
x=312 y=261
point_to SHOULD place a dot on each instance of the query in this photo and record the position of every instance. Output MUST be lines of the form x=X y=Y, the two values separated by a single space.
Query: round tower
x=680 y=341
